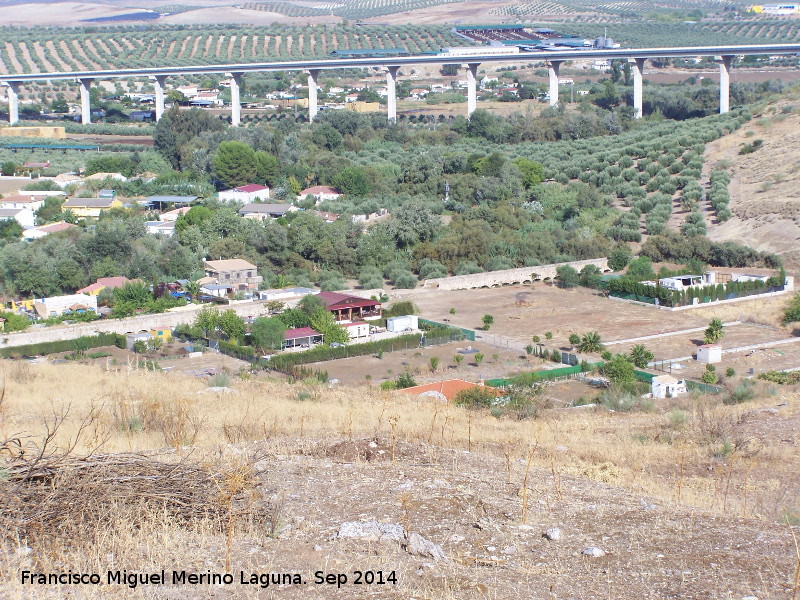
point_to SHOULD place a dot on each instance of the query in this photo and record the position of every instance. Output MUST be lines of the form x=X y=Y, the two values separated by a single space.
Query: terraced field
x=130 y=47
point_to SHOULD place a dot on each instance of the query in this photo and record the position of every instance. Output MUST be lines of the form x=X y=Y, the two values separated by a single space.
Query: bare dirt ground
x=765 y=185
x=236 y=15
x=685 y=501
x=523 y=311
x=460 y=12
x=142 y=140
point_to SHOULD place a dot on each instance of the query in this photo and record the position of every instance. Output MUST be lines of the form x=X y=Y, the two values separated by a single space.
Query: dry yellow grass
x=717 y=446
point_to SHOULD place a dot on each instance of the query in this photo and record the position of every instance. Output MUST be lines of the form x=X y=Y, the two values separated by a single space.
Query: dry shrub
x=59 y=501
x=177 y=420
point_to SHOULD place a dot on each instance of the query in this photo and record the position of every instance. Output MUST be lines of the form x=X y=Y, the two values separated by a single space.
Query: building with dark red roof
x=301 y=336
x=347 y=308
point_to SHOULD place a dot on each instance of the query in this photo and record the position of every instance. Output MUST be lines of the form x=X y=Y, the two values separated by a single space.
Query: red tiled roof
x=300 y=332
x=448 y=388
x=113 y=282
x=253 y=187
x=90 y=288
x=334 y=300
x=319 y=189
x=17 y=198
x=56 y=227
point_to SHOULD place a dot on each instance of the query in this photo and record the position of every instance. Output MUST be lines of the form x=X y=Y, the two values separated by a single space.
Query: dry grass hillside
x=765 y=185
x=143 y=471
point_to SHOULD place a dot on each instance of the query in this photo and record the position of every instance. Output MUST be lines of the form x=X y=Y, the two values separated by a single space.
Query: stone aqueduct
x=510 y=276
x=187 y=314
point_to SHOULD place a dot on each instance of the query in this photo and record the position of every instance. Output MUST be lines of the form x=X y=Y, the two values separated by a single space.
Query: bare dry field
x=765 y=185
x=688 y=499
x=523 y=311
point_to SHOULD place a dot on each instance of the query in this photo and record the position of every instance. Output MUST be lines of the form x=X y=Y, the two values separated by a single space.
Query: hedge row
x=242 y=352
x=286 y=362
x=81 y=343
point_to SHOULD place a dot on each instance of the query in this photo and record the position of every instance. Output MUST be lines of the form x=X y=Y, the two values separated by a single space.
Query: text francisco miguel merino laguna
x=132 y=580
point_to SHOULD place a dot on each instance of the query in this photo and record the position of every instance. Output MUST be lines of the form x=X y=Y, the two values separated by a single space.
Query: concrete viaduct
x=554 y=59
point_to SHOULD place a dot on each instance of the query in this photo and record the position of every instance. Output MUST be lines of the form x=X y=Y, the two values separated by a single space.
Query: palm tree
x=281 y=281
x=590 y=342
x=714 y=331
x=641 y=356
x=192 y=288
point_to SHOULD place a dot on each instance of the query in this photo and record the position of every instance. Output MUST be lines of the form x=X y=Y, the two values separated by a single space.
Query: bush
x=744 y=392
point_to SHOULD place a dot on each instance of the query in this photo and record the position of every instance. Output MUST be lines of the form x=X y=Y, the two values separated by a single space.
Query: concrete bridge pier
x=313 y=108
x=159 y=87
x=554 y=66
x=86 y=102
x=472 y=87
x=12 y=90
x=391 y=86
x=637 y=67
x=236 y=101
x=724 y=83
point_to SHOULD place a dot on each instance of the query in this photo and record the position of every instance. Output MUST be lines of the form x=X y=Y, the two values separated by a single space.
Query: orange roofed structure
x=447 y=389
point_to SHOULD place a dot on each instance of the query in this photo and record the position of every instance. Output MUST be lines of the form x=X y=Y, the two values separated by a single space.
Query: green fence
x=643 y=376
x=702 y=387
x=543 y=375
x=469 y=334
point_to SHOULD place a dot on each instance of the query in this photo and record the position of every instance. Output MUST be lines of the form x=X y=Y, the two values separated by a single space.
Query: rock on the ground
x=419 y=546
x=593 y=551
x=553 y=534
x=372 y=531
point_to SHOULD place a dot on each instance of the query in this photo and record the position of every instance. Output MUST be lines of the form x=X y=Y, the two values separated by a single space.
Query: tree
x=478 y=358
x=235 y=163
x=176 y=131
x=353 y=181
x=207 y=319
x=619 y=257
x=8 y=168
x=710 y=375
x=266 y=333
x=10 y=229
x=641 y=268
x=791 y=313
x=548 y=335
x=574 y=339
x=714 y=331
x=322 y=320
x=619 y=369
x=487 y=322
x=459 y=358
x=590 y=342
x=192 y=288
x=567 y=276
x=590 y=276
x=532 y=172
x=311 y=303
x=176 y=97
x=641 y=356
x=231 y=325
x=267 y=169
x=434 y=363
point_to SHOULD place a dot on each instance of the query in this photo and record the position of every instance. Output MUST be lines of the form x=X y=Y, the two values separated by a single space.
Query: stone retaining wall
x=510 y=276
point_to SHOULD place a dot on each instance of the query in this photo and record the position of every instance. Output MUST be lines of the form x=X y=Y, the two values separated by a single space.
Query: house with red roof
x=446 y=390
x=321 y=193
x=39 y=232
x=245 y=193
x=301 y=337
x=103 y=283
x=350 y=308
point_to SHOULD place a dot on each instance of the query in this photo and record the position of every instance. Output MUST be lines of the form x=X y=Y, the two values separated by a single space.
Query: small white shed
x=666 y=386
x=709 y=353
x=404 y=323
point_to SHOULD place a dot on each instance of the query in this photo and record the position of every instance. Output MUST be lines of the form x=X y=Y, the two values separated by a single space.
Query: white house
x=321 y=193
x=39 y=232
x=666 y=386
x=175 y=213
x=709 y=353
x=245 y=193
x=31 y=202
x=58 y=305
x=23 y=216
x=264 y=212
x=351 y=98
x=64 y=179
x=166 y=228
x=357 y=330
